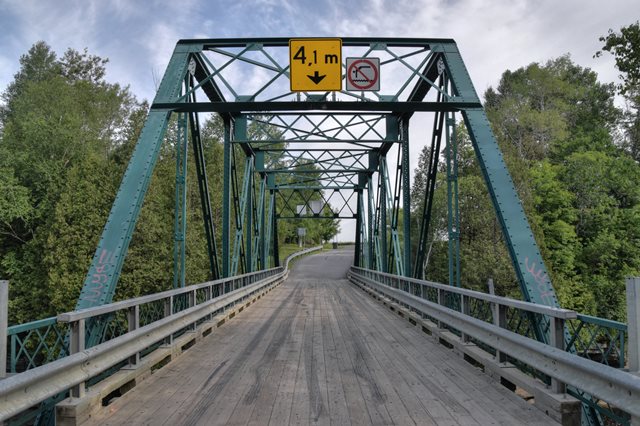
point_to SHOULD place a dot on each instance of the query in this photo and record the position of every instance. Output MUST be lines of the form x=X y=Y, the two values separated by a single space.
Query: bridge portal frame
x=437 y=81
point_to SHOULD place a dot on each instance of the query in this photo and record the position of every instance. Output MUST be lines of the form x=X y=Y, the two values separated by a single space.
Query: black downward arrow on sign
x=316 y=77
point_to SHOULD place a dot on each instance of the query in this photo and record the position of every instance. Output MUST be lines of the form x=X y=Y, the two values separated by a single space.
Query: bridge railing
x=136 y=327
x=484 y=319
x=35 y=343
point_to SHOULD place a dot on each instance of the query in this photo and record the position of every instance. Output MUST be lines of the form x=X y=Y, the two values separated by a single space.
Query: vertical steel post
x=276 y=251
x=226 y=200
x=180 y=212
x=406 y=198
x=205 y=200
x=394 y=258
x=241 y=217
x=356 y=255
x=364 y=253
x=268 y=228
x=4 y=324
x=633 y=323
x=422 y=256
x=264 y=262
x=249 y=221
x=372 y=241
x=465 y=308
x=453 y=217
x=168 y=311
x=382 y=231
x=500 y=320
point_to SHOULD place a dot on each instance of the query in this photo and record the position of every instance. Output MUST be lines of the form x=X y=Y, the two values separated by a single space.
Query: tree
x=625 y=47
x=555 y=124
x=482 y=248
x=61 y=122
x=575 y=182
x=38 y=64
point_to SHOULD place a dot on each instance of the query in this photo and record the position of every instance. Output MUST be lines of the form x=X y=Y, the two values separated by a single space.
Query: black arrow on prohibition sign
x=316 y=77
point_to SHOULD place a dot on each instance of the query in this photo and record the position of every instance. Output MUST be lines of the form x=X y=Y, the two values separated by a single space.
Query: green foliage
x=556 y=125
x=61 y=124
x=15 y=206
x=625 y=47
x=75 y=228
x=67 y=136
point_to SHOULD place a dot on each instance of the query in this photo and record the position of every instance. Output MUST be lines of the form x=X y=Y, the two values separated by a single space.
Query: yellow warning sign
x=315 y=64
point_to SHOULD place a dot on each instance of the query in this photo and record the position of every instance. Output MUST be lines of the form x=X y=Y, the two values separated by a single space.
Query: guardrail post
x=77 y=345
x=133 y=319
x=465 y=308
x=500 y=319
x=633 y=323
x=168 y=311
x=492 y=288
x=193 y=299
x=556 y=328
x=633 y=329
x=208 y=295
x=441 y=303
x=4 y=324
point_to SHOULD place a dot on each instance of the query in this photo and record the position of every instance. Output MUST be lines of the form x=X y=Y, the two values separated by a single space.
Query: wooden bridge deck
x=319 y=351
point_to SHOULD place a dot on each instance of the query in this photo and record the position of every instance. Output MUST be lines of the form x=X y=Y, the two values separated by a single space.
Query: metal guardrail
x=24 y=390
x=615 y=386
x=35 y=343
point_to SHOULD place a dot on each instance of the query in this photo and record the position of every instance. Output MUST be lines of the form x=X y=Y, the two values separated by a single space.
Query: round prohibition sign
x=362 y=74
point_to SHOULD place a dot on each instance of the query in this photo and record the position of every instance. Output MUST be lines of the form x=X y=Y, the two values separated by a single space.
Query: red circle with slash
x=365 y=82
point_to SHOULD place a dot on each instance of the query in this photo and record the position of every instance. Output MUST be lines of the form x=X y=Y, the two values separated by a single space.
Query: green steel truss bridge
x=335 y=154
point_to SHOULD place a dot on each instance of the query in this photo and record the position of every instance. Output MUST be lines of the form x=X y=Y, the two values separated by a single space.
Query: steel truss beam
x=422 y=255
x=420 y=59
x=267 y=120
x=180 y=211
x=322 y=145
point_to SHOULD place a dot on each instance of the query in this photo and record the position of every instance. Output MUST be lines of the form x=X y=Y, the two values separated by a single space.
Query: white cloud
x=139 y=36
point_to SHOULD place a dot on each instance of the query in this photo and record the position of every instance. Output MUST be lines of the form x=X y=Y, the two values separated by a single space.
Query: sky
x=138 y=36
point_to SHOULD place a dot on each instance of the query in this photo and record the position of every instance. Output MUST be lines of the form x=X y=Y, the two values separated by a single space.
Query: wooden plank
x=317 y=374
x=262 y=366
x=486 y=399
x=336 y=401
x=374 y=390
x=301 y=408
x=435 y=391
x=266 y=398
x=175 y=377
x=281 y=411
x=354 y=396
x=232 y=392
x=411 y=392
x=401 y=405
x=318 y=350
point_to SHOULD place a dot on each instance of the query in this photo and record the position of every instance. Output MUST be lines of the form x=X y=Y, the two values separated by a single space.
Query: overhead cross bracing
x=335 y=154
x=318 y=154
x=247 y=82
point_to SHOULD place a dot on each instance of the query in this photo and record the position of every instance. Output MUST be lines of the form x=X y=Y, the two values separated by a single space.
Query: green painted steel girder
x=374 y=124
x=383 y=106
x=100 y=283
x=180 y=211
x=313 y=143
x=530 y=269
